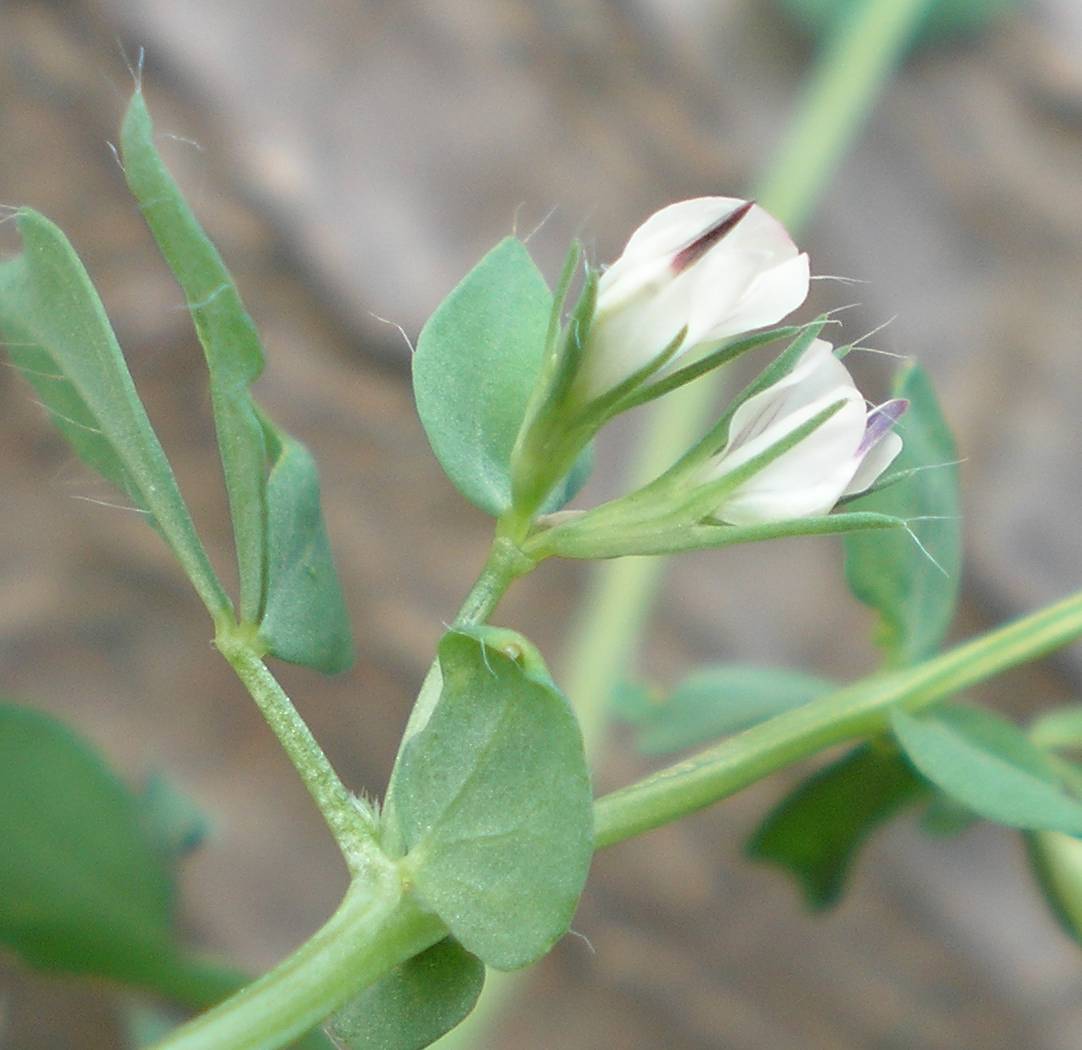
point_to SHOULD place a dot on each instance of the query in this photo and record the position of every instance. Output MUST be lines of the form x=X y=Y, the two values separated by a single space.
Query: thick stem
x=352 y=826
x=860 y=710
x=374 y=929
x=199 y=984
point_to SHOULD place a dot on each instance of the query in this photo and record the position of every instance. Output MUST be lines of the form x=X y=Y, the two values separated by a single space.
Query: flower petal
x=875 y=461
x=770 y=295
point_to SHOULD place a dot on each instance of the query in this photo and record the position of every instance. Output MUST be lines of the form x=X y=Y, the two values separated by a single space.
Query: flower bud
x=715 y=266
x=842 y=456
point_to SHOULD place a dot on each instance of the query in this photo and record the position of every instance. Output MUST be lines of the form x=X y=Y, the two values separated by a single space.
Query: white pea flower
x=717 y=266
x=841 y=457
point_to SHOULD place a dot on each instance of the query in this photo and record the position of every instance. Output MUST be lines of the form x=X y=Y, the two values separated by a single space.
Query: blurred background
x=352 y=160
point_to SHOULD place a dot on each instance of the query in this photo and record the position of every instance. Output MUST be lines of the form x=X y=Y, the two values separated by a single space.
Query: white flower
x=841 y=457
x=718 y=266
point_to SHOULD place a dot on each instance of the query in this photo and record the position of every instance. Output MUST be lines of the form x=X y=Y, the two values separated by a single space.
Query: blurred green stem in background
x=854 y=65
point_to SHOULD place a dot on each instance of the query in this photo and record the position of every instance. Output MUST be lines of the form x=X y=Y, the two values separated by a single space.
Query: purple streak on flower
x=711 y=267
x=880 y=422
x=703 y=243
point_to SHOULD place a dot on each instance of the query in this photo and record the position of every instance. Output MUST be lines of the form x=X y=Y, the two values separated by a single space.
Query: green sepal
x=493 y=803
x=815 y=832
x=582 y=537
x=710 y=362
x=553 y=442
x=416 y=1003
x=718 y=436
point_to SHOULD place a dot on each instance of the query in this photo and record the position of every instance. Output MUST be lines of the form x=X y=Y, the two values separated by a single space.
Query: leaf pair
x=493 y=816
x=58 y=335
x=288 y=585
x=88 y=868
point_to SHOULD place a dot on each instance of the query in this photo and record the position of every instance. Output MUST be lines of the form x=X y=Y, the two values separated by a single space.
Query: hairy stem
x=352 y=825
x=857 y=711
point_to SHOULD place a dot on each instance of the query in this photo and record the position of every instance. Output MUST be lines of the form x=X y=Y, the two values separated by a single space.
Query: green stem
x=194 y=983
x=857 y=61
x=199 y=984
x=352 y=826
x=374 y=929
x=860 y=710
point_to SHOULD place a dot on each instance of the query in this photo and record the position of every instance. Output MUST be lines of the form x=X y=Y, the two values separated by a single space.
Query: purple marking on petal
x=880 y=422
x=693 y=252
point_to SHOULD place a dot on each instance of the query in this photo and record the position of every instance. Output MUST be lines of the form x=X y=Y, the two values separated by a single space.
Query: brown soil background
x=357 y=158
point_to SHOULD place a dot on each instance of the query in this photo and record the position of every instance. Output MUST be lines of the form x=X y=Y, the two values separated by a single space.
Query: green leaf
x=988 y=765
x=305 y=620
x=175 y=823
x=914 y=596
x=1057 y=864
x=288 y=582
x=815 y=832
x=228 y=335
x=83 y=889
x=1060 y=728
x=58 y=335
x=146 y=1024
x=945 y=816
x=713 y=702
x=414 y=1004
x=478 y=360
x=493 y=800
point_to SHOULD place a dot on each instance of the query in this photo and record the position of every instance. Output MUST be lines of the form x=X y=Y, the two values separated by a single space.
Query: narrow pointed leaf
x=1057 y=865
x=228 y=335
x=816 y=831
x=58 y=335
x=478 y=360
x=415 y=1004
x=712 y=702
x=914 y=596
x=493 y=801
x=988 y=765
x=288 y=581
